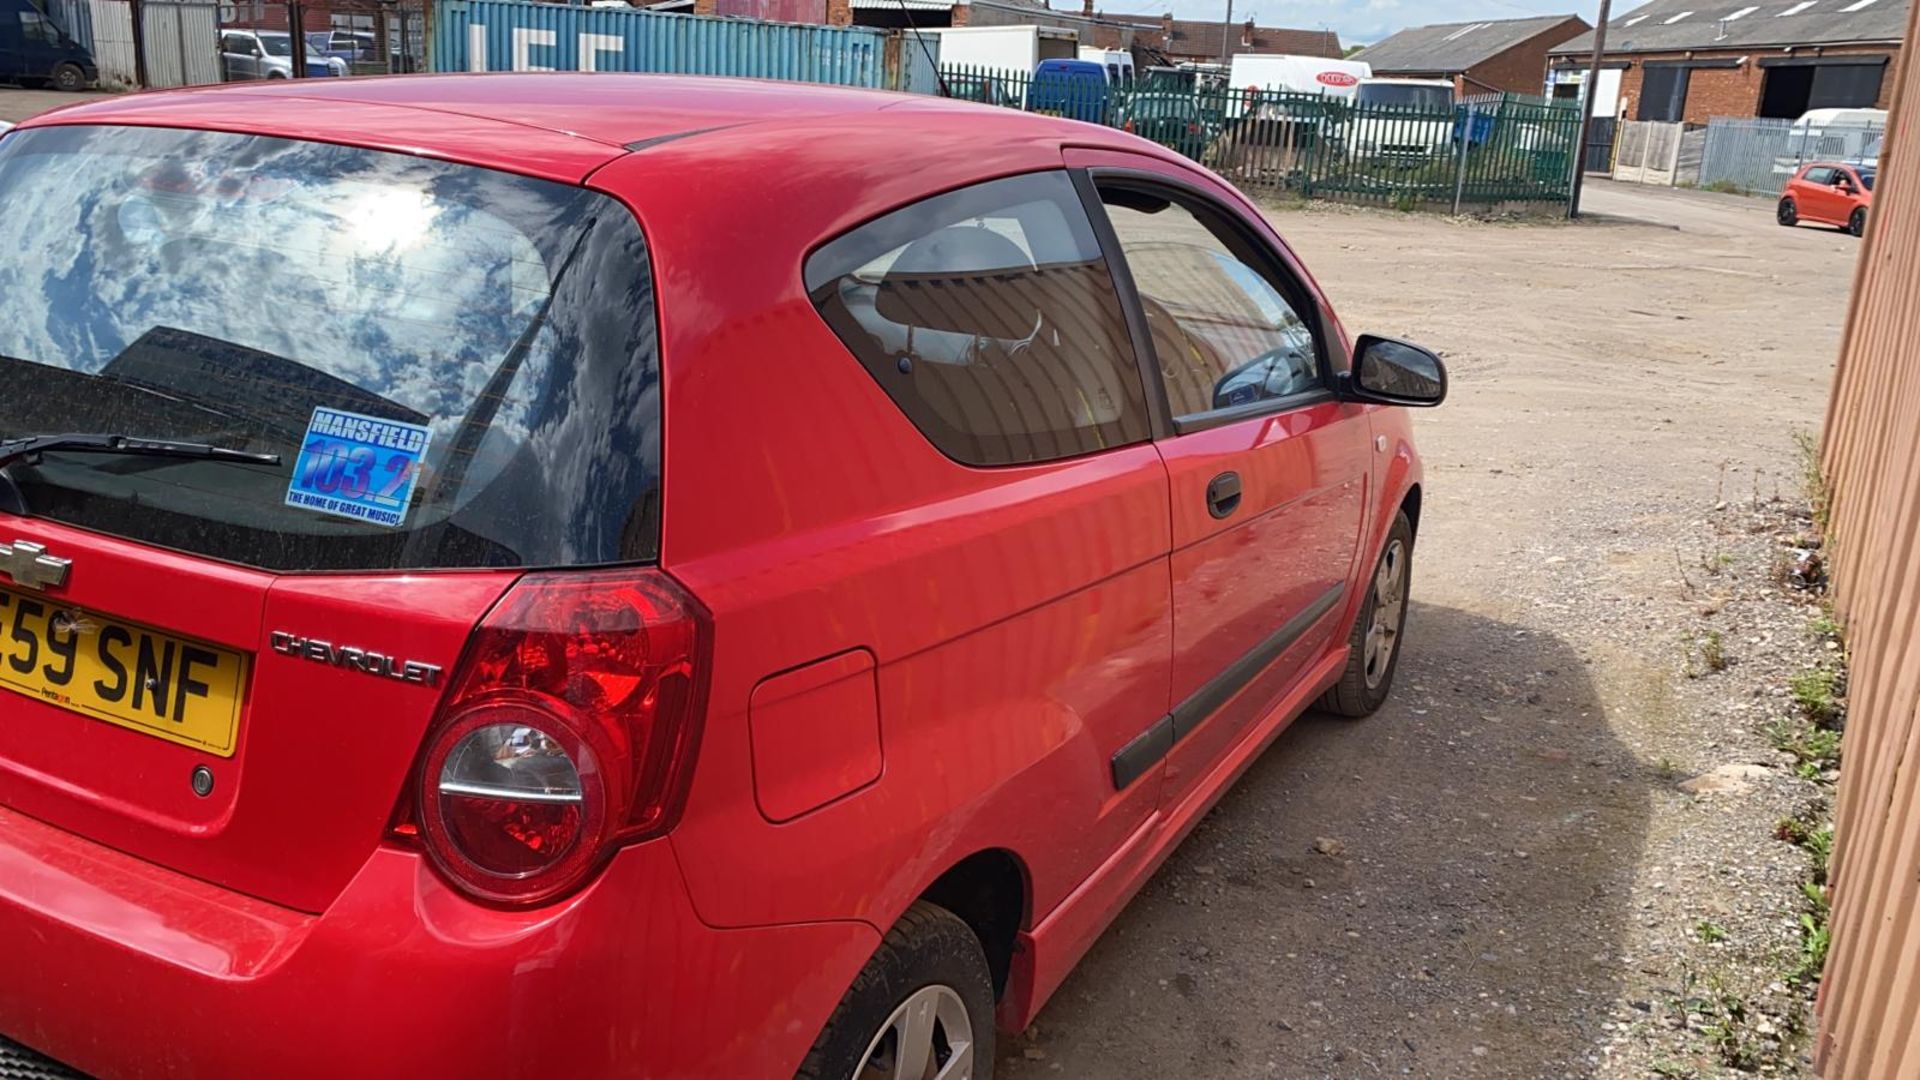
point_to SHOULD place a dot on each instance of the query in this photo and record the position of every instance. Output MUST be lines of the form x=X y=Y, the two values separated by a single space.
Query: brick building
x=1693 y=60
x=1477 y=57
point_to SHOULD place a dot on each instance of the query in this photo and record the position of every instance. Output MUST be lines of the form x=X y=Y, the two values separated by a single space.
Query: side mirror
x=1389 y=372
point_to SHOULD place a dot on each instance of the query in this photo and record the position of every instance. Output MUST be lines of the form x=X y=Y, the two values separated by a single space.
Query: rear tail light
x=568 y=730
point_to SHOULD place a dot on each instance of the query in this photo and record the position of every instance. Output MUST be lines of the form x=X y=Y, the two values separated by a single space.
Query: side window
x=1821 y=175
x=987 y=314
x=1224 y=335
x=37 y=27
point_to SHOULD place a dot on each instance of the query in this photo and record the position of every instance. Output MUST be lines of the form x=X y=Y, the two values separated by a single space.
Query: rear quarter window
x=249 y=292
x=988 y=316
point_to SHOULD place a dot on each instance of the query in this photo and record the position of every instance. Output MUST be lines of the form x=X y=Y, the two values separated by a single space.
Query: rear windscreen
x=457 y=366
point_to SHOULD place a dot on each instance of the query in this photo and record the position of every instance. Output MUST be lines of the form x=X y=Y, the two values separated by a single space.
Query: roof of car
x=560 y=125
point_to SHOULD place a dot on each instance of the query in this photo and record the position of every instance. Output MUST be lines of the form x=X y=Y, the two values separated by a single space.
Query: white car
x=268 y=54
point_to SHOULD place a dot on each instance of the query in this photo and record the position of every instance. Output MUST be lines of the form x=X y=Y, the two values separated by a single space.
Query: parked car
x=268 y=54
x=353 y=46
x=1171 y=118
x=430 y=603
x=983 y=88
x=1828 y=193
x=35 y=51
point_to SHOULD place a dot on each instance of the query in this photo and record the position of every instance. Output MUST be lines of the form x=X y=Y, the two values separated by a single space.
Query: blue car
x=1076 y=89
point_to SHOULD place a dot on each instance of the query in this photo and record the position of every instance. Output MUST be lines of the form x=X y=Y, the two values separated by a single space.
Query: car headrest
x=963 y=279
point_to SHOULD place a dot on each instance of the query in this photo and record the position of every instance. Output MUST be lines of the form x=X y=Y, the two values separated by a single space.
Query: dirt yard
x=16 y=103
x=1499 y=874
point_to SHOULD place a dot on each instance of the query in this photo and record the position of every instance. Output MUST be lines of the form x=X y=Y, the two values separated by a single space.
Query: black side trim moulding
x=1134 y=759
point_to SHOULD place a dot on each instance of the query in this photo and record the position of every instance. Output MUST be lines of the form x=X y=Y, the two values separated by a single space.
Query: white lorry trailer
x=1004 y=48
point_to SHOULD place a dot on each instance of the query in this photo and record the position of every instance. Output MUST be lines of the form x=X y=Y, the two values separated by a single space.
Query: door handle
x=1223 y=494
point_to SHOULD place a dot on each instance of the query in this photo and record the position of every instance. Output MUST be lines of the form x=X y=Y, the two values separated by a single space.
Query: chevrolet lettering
x=346 y=656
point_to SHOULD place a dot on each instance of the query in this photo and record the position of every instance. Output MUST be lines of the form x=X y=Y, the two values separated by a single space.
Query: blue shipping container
x=503 y=35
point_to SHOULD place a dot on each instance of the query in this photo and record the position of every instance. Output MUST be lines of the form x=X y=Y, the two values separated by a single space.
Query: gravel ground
x=1501 y=873
x=17 y=103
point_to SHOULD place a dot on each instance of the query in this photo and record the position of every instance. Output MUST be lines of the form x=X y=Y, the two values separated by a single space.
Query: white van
x=1426 y=134
x=1117 y=62
x=1298 y=74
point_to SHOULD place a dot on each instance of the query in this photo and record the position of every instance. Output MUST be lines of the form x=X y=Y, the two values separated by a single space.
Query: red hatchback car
x=1829 y=194
x=589 y=576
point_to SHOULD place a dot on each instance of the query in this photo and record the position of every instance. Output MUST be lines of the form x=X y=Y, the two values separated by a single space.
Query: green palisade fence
x=1490 y=152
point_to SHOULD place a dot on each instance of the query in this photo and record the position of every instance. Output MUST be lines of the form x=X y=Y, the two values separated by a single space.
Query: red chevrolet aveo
x=580 y=576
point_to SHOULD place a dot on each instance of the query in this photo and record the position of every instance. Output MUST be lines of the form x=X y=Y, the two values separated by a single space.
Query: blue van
x=36 y=51
x=1076 y=89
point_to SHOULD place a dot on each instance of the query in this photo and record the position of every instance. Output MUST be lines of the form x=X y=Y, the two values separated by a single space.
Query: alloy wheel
x=1389 y=602
x=1789 y=214
x=929 y=1037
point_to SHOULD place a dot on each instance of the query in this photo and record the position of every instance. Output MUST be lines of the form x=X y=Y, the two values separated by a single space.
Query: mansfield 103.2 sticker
x=359 y=467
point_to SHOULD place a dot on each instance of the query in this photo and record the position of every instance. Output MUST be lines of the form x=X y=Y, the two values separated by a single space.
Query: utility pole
x=1226 y=35
x=1592 y=91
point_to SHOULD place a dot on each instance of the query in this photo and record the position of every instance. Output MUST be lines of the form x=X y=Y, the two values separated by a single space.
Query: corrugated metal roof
x=896 y=5
x=1455 y=47
x=1675 y=25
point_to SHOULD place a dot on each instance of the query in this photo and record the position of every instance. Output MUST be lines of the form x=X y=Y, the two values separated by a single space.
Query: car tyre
x=69 y=77
x=1374 y=643
x=925 y=998
x=1857 y=224
x=1789 y=214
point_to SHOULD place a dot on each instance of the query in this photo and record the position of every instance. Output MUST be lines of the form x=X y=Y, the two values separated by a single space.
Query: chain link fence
x=1758 y=157
x=1481 y=154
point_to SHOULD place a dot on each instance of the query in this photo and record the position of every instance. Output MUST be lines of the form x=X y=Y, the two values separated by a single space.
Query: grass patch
x=1813 y=482
x=1804 y=831
x=1704 y=654
x=1710 y=932
x=1816 y=694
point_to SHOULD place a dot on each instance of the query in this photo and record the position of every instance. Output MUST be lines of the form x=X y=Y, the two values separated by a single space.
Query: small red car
x=1829 y=194
x=594 y=575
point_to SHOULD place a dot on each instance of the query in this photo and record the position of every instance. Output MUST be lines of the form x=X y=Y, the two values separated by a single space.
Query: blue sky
x=1360 y=21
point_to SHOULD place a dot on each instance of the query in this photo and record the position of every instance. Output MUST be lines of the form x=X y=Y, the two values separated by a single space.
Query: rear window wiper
x=12 y=450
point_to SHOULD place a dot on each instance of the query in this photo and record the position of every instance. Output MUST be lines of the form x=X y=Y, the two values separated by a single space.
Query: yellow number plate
x=124 y=673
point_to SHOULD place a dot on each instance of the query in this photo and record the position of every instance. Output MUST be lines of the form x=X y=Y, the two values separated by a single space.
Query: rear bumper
x=123 y=969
